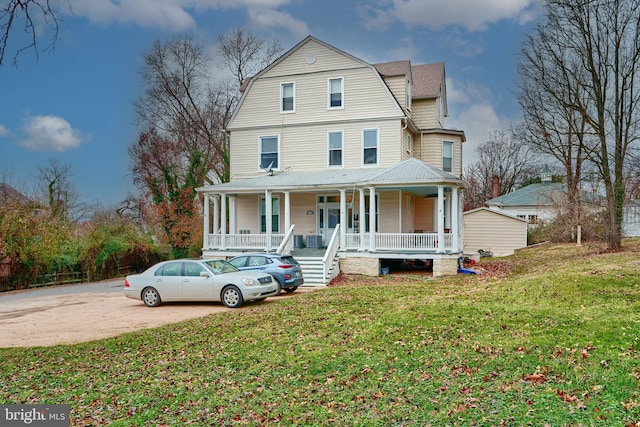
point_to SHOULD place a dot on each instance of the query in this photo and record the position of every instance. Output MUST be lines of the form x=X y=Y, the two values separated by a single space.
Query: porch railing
x=418 y=242
x=258 y=242
x=427 y=242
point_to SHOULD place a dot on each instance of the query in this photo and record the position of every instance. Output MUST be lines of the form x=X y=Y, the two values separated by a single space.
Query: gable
x=309 y=66
x=311 y=56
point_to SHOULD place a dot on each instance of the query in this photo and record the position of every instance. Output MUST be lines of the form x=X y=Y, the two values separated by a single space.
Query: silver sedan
x=199 y=280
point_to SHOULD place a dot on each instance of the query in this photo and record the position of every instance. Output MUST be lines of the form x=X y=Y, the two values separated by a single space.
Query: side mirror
x=204 y=274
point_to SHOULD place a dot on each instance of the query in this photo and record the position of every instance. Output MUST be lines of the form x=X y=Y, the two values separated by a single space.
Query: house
x=350 y=159
x=631 y=219
x=535 y=203
x=495 y=231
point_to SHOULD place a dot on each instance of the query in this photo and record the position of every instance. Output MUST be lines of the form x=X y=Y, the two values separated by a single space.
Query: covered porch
x=415 y=213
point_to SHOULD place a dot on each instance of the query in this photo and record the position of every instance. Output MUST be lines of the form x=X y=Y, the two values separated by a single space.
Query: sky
x=74 y=103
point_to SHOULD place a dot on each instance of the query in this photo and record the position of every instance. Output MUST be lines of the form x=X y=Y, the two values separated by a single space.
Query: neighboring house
x=535 y=203
x=10 y=196
x=334 y=153
x=495 y=231
x=631 y=219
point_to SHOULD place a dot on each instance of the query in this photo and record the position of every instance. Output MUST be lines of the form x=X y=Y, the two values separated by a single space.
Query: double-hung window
x=370 y=147
x=335 y=141
x=287 y=98
x=447 y=156
x=269 y=150
x=336 y=93
x=275 y=215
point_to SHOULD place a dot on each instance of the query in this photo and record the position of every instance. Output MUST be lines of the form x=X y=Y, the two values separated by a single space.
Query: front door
x=328 y=219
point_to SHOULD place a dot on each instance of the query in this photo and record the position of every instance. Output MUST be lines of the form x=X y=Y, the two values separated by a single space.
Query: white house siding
x=301 y=203
x=490 y=230
x=398 y=87
x=389 y=214
x=325 y=59
x=631 y=221
x=247 y=213
x=304 y=147
x=431 y=150
x=365 y=95
x=408 y=212
x=424 y=113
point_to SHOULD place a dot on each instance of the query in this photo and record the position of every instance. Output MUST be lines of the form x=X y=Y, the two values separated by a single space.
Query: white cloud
x=3 y=130
x=472 y=15
x=270 y=18
x=177 y=15
x=50 y=133
x=473 y=113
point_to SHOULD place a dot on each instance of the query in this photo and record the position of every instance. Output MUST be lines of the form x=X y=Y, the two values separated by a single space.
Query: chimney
x=496 y=186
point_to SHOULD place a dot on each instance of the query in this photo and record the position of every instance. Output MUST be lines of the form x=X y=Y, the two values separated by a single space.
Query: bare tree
x=245 y=54
x=28 y=16
x=504 y=157
x=59 y=192
x=550 y=122
x=183 y=118
x=594 y=48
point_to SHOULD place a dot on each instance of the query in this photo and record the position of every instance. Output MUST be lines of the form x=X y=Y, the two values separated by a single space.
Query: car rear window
x=287 y=259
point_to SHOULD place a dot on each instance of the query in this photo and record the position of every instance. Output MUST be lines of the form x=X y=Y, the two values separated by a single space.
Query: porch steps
x=312 y=270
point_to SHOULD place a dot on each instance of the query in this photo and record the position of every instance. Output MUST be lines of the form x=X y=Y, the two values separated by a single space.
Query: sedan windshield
x=218 y=266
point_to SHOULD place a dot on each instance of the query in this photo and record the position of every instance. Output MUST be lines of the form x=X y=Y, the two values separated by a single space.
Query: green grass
x=550 y=337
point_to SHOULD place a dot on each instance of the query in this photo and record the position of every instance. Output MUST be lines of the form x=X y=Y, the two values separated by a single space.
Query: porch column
x=460 y=220
x=440 y=218
x=223 y=221
x=343 y=217
x=287 y=211
x=268 y=220
x=455 y=219
x=372 y=219
x=361 y=217
x=232 y=215
x=205 y=214
x=216 y=214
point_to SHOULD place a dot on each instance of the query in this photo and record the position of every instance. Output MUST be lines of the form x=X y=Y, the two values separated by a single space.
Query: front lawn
x=550 y=336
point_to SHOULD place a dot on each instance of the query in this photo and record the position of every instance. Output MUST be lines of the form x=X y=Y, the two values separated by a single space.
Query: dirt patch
x=80 y=317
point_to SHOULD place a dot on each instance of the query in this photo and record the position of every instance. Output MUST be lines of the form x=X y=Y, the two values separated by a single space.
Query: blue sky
x=74 y=104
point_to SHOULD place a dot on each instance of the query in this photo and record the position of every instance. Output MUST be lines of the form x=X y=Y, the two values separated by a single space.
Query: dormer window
x=336 y=90
x=408 y=100
x=287 y=98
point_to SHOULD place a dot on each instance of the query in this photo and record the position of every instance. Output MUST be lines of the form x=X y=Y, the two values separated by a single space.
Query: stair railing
x=287 y=242
x=330 y=253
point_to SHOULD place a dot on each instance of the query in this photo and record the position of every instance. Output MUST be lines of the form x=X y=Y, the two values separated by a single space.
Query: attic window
x=287 y=95
x=336 y=89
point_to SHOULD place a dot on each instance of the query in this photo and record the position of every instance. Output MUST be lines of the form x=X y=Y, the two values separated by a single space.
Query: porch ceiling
x=413 y=176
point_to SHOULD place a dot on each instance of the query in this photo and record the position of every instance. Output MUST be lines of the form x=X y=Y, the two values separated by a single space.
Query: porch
x=358 y=217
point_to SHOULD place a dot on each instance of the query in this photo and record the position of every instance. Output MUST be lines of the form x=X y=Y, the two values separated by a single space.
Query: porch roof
x=411 y=175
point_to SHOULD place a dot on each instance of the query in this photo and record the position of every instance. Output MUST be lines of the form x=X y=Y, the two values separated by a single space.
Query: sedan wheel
x=232 y=297
x=151 y=297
